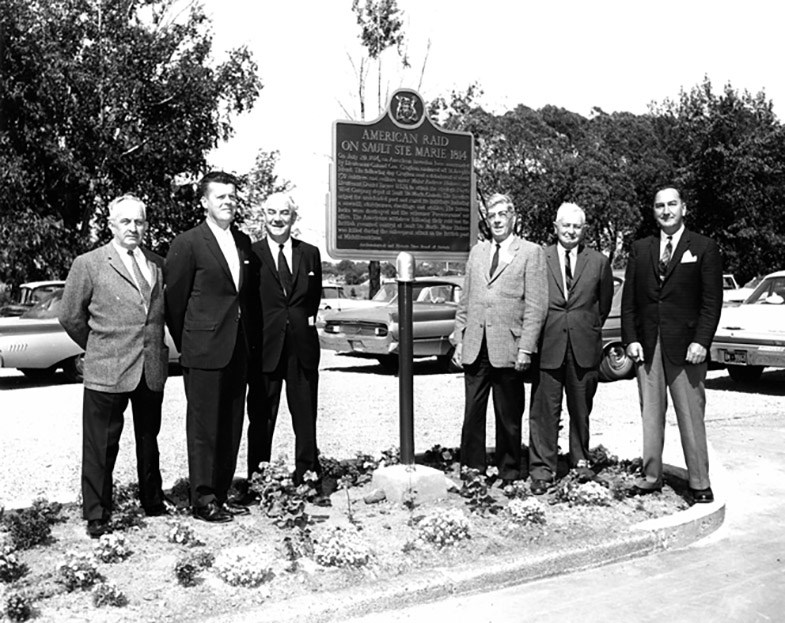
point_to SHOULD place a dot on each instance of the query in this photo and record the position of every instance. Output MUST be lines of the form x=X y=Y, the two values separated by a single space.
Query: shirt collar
x=275 y=246
x=137 y=252
x=219 y=232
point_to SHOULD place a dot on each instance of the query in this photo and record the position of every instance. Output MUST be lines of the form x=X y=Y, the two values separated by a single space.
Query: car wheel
x=73 y=369
x=38 y=374
x=388 y=362
x=745 y=374
x=446 y=364
x=615 y=364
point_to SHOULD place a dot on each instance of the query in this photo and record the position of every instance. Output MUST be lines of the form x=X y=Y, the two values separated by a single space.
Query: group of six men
x=243 y=313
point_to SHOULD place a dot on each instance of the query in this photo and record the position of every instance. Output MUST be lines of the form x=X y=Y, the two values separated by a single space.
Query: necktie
x=495 y=260
x=283 y=272
x=141 y=282
x=567 y=270
x=666 y=257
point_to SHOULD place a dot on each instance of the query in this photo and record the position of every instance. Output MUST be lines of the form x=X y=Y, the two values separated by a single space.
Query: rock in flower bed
x=176 y=568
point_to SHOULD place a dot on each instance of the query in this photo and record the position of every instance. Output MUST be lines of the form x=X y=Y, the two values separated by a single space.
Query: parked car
x=751 y=336
x=615 y=364
x=30 y=294
x=36 y=343
x=373 y=331
x=334 y=298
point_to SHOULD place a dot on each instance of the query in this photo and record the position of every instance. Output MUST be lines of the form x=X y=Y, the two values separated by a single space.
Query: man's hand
x=696 y=353
x=635 y=352
x=456 y=356
x=523 y=362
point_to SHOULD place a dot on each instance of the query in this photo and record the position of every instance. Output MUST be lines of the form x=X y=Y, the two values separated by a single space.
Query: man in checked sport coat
x=498 y=321
x=113 y=307
x=670 y=310
x=290 y=286
x=580 y=292
x=210 y=284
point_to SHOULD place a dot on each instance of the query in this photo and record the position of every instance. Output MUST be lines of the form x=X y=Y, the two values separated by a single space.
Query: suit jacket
x=580 y=315
x=204 y=309
x=684 y=308
x=508 y=308
x=297 y=310
x=102 y=311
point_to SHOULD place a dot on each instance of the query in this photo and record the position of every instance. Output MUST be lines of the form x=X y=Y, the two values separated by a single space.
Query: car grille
x=356 y=329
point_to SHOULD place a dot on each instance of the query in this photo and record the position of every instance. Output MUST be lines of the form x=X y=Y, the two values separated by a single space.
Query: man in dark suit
x=580 y=292
x=290 y=284
x=113 y=307
x=209 y=284
x=497 y=323
x=670 y=309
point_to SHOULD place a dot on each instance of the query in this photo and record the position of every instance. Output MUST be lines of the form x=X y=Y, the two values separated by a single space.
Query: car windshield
x=421 y=292
x=770 y=291
x=48 y=307
x=333 y=292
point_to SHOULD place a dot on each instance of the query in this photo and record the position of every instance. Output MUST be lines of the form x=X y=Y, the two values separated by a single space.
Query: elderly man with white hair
x=580 y=292
x=290 y=285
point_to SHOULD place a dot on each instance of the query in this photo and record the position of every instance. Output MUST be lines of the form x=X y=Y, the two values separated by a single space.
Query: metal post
x=405 y=269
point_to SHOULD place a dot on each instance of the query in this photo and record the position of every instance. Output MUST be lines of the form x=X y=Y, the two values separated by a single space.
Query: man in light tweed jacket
x=113 y=307
x=502 y=309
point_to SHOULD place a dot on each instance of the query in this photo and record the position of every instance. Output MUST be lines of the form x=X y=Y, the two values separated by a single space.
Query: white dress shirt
x=140 y=259
x=229 y=249
x=505 y=256
x=674 y=240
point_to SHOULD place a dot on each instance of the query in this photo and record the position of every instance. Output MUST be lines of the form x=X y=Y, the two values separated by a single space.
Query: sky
x=612 y=54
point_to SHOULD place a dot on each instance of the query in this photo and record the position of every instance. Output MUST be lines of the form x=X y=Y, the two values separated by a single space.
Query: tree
x=99 y=98
x=728 y=151
x=260 y=183
x=381 y=28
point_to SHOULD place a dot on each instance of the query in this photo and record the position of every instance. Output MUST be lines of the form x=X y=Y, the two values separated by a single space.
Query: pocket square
x=245 y=261
x=310 y=273
x=688 y=257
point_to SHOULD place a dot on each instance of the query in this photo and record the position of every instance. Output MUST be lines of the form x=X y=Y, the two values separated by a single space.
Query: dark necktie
x=283 y=272
x=495 y=260
x=567 y=270
x=141 y=282
x=666 y=257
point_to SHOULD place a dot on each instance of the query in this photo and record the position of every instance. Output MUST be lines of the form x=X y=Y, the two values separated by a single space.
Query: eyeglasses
x=502 y=214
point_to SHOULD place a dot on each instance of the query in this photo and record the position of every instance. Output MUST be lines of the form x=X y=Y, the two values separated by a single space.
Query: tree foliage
x=726 y=151
x=99 y=98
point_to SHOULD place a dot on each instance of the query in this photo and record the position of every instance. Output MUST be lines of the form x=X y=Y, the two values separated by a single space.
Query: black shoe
x=635 y=490
x=321 y=500
x=539 y=486
x=702 y=496
x=157 y=511
x=212 y=513
x=235 y=509
x=249 y=498
x=96 y=528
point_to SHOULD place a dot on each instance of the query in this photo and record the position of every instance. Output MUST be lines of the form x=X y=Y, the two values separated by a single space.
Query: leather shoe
x=235 y=509
x=635 y=490
x=157 y=511
x=702 y=496
x=539 y=486
x=96 y=528
x=249 y=498
x=212 y=513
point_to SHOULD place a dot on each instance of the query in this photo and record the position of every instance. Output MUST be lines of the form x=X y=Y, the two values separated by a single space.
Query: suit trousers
x=686 y=386
x=214 y=425
x=509 y=401
x=102 y=425
x=580 y=386
x=264 y=397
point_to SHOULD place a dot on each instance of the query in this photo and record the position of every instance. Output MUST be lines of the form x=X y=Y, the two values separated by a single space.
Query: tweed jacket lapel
x=113 y=259
x=504 y=261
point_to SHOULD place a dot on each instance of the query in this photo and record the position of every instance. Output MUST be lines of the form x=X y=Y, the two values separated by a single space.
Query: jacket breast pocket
x=201 y=326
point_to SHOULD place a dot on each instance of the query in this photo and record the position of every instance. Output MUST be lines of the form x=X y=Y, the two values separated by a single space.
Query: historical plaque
x=401 y=183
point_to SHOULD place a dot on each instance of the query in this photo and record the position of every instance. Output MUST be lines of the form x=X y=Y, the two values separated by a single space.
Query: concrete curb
x=647 y=537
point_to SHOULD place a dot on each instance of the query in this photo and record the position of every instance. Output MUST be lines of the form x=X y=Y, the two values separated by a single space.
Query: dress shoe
x=235 y=509
x=321 y=500
x=702 y=496
x=157 y=511
x=249 y=498
x=212 y=513
x=96 y=528
x=637 y=490
x=539 y=486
